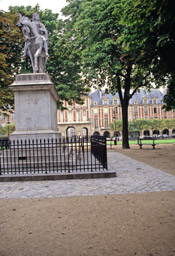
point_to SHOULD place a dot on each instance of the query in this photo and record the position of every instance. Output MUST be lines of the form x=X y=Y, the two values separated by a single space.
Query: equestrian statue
x=36 y=41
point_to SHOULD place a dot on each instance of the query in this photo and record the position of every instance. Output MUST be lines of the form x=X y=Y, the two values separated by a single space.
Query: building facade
x=75 y=120
x=99 y=110
x=7 y=117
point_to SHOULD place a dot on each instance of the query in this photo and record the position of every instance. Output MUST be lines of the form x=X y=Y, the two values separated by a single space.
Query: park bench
x=111 y=141
x=140 y=142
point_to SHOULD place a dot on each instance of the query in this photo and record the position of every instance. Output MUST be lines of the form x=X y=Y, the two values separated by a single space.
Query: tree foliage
x=95 y=30
x=6 y=130
x=150 y=26
x=142 y=124
x=10 y=39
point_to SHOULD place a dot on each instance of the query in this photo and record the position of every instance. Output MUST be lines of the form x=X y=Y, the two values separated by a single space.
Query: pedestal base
x=35 y=135
x=35 y=108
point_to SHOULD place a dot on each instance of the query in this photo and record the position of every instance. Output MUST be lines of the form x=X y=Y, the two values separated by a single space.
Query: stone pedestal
x=35 y=107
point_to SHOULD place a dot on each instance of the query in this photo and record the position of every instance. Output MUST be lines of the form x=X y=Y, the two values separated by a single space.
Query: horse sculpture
x=36 y=41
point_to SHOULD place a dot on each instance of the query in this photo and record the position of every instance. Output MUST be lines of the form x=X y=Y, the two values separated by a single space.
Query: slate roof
x=98 y=97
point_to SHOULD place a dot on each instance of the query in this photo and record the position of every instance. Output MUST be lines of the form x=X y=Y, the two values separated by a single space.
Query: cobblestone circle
x=132 y=177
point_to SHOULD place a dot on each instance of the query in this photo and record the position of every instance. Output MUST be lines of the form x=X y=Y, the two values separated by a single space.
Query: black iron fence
x=53 y=156
x=98 y=149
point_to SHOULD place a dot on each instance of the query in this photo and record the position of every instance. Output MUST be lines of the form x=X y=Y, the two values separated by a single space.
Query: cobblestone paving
x=132 y=177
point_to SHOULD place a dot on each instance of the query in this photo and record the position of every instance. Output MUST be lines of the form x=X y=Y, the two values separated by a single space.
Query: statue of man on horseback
x=36 y=41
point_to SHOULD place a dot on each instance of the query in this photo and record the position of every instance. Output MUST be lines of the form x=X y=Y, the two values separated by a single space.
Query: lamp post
x=115 y=141
x=8 y=107
x=134 y=129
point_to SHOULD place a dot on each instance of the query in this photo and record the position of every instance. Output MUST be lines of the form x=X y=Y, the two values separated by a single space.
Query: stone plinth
x=35 y=107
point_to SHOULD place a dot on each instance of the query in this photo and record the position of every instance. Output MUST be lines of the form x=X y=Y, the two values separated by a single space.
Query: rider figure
x=41 y=30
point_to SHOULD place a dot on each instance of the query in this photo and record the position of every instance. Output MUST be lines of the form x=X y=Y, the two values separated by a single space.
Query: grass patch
x=163 y=141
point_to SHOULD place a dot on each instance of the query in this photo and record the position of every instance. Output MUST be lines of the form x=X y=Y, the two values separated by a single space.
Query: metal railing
x=53 y=156
x=98 y=149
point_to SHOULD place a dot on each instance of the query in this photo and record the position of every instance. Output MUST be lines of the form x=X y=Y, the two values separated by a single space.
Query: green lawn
x=164 y=141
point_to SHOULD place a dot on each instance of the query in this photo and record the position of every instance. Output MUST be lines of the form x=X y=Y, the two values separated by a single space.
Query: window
x=96 y=123
x=70 y=116
x=78 y=115
x=135 y=109
x=135 y=102
x=13 y=116
x=105 y=110
x=2 y=117
x=115 y=110
x=145 y=101
x=106 y=122
x=62 y=113
x=95 y=110
x=84 y=115
x=95 y=102
x=145 y=109
x=155 y=110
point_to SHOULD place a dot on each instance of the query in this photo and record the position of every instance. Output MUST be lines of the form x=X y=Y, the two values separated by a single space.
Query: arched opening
x=146 y=133
x=173 y=133
x=165 y=132
x=116 y=134
x=70 y=132
x=156 y=132
x=85 y=133
x=106 y=134
x=96 y=134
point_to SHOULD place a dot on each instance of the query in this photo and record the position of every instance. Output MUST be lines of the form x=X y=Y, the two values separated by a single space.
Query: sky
x=54 y=5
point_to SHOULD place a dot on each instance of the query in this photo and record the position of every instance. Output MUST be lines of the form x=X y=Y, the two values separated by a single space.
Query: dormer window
x=154 y=101
x=95 y=103
x=115 y=101
x=105 y=102
x=135 y=102
x=145 y=101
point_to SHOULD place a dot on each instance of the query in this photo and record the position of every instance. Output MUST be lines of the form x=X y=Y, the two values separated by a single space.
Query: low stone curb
x=60 y=176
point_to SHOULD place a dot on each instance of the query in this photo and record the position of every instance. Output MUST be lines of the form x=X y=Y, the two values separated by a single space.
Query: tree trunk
x=124 y=99
x=125 y=140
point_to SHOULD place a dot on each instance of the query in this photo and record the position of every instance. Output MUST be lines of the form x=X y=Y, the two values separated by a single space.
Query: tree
x=116 y=125
x=96 y=29
x=169 y=98
x=6 y=130
x=150 y=26
x=10 y=40
x=169 y=124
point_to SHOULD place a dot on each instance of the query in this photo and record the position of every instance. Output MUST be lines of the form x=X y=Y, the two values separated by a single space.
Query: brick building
x=100 y=110
x=7 y=117
x=76 y=119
